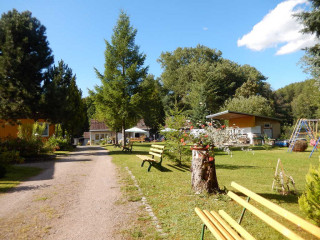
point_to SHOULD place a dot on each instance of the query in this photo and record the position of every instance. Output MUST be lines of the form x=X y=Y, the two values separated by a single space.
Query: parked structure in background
x=304 y=128
x=253 y=128
x=99 y=130
x=10 y=130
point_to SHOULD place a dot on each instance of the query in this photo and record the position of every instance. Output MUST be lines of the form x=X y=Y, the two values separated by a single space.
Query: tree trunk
x=123 y=134
x=203 y=172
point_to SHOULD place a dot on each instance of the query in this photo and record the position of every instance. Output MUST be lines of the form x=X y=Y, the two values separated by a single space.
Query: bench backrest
x=275 y=208
x=156 y=150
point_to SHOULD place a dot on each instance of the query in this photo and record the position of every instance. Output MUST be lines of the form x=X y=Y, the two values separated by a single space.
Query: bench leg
x=142 y=163
x=203 y=230
x=150 y=165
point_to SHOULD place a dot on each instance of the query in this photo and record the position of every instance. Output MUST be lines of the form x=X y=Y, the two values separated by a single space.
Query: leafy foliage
x=149 y=103
x=311 y=21
x=309 y=201
x=120 y=82
x=257 y=105
x=201 y=71
x=62 y=101
x=24 y=57
x=175 y=135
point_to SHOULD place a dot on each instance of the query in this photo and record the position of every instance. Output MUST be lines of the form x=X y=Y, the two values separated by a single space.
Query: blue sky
x=258 y=33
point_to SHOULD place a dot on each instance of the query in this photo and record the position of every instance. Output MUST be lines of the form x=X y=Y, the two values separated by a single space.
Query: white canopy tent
x=135 y=130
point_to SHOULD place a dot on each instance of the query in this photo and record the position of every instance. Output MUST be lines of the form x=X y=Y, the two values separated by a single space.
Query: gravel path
x=75 y=197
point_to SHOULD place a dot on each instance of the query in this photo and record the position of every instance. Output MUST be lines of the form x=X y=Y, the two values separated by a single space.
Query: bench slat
x=156 y=150
x=236 y=226
x=226 y=226
x=218 y=225
x=279 y=210
x=158 y=146
x=216 y=233
x=156 y=154
x=264 y=217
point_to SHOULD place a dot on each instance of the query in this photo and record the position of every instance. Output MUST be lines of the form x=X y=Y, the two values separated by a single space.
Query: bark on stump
x=203 y=172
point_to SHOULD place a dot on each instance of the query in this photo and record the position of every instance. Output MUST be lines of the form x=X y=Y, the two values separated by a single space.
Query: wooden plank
x=155 y=154
x=156 y=150
x=216 y=233
x=233 y=233
x=158 y=146
x=279 y=210
x=236 y=226
x=264 y=217
x=218 y=225
x=144 y=157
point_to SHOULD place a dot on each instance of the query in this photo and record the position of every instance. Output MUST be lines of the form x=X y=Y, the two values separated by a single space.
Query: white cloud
x=279 y=27
x=205 y=29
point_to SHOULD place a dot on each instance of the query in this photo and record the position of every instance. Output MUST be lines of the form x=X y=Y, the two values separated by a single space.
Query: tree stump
x=203 y=172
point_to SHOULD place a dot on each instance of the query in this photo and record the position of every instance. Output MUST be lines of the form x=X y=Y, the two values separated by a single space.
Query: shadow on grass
x=181 y=168
x=290 y=198
x=160 y=168
x=234 y=167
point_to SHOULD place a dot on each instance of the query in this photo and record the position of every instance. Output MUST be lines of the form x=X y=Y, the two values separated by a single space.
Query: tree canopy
x=256 y=105
x=24 y=56
x=189 y=73
x=311 y=22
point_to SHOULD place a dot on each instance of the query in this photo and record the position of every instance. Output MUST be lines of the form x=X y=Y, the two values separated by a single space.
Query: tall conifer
x=122 y=75
x=24 y=57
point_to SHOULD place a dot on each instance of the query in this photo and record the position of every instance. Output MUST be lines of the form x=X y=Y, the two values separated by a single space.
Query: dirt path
x=76 y=197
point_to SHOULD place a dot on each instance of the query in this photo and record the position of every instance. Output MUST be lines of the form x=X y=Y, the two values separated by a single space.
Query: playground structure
x=304 y=128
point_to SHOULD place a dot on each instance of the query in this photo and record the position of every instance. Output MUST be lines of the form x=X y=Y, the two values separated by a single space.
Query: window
x=267 y=125
x=96 y=137
x=45 y=132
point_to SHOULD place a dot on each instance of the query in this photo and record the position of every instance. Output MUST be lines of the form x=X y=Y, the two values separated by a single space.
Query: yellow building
x=8 y=130
x=251 y=125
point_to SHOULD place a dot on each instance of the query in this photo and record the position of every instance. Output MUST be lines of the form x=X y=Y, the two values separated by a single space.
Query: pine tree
x=309 y=201
x=123 y=73
x=24 y=57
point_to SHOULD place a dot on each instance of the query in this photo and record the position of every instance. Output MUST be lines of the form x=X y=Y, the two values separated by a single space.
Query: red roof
x=96 y=125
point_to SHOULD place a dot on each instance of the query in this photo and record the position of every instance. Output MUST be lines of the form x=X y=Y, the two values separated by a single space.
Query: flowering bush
x=213 y=134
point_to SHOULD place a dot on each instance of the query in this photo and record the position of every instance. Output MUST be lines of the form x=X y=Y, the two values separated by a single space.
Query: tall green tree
x=202 y=71
x=24 y=57
x=149 y=102
x=121 y=78
x=62 y=102
x=311 y=21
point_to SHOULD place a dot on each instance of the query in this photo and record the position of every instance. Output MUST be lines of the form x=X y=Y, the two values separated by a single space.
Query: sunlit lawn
x=168 y=190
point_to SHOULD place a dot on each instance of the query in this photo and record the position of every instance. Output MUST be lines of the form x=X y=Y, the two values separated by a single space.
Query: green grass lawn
x=16 y=174
x=169 y=192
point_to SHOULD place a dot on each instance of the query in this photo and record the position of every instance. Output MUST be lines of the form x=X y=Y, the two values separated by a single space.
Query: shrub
x=59 y=143
x=3 y=171
x=309 y=201
x=9 y=157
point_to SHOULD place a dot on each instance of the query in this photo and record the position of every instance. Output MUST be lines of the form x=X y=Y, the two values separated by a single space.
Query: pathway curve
x=75 y=197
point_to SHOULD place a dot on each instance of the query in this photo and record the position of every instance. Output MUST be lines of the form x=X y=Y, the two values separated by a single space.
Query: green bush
x=59 y=143
x=3 y=171
x=309 y=201
x=9 y=157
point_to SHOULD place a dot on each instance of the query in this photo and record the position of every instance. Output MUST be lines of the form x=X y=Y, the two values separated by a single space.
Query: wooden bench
x=128 y=147
x=155 y=151
x=222 y=226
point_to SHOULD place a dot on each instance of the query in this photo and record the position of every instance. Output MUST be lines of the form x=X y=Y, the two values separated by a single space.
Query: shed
x=253 y=126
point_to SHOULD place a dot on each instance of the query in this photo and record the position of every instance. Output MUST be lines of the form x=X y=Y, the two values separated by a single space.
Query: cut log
x=203 y=172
